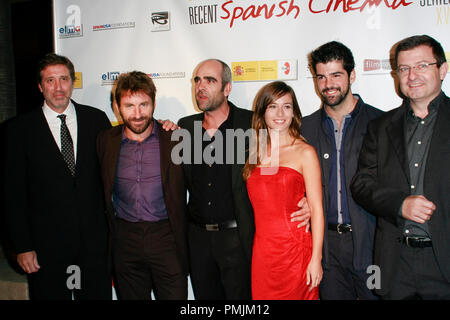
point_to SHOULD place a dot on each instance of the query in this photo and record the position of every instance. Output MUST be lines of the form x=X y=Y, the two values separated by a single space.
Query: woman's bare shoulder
x=304 y=149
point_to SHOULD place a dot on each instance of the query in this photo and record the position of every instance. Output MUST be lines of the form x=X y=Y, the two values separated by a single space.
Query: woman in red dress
x=286 y=261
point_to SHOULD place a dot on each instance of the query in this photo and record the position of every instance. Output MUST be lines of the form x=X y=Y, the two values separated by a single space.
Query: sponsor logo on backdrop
x=287 y=70
x=160 y=21
x=167 y=75
x=238 y=70
x=264 y=70
x=73 y=26
x=377 y=66
x=108 y=78
x=109 y=26
x=70 y=31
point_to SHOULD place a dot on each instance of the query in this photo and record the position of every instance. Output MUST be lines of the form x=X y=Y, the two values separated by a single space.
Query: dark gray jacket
x=382 y=183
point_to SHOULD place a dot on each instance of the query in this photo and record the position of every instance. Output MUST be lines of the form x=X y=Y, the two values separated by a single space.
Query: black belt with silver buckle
x=340 y=228
x=417 y=242
x=217 y=226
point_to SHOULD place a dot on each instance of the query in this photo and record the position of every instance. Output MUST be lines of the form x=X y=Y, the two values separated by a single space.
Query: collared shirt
x=211 y=199
x=418 y=134
x=54 y=124
x=138 y=193
x=338 y=209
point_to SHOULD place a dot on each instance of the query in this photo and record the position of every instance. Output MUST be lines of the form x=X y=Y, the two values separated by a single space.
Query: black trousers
x=219 y=268
x=85 y=275
x=340 y=279
x=145 y=259
x=418 y=277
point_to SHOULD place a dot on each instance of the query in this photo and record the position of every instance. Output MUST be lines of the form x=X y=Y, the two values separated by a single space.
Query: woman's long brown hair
x=265 y=96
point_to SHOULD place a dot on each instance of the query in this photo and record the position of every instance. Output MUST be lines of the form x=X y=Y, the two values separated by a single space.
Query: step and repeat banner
x=262 y=40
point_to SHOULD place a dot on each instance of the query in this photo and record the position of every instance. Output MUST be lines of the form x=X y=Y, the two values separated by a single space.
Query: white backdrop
x=104 y=38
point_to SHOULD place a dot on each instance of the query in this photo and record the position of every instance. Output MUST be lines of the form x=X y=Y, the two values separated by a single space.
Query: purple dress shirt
x=138 y=194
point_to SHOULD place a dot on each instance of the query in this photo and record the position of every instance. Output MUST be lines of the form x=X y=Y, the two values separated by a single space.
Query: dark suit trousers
x=219 y=268
x=340 y=279
x=145 y=259
x=418 y=277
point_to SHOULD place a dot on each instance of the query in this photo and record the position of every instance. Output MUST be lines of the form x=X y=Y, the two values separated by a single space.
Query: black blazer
x=242 y=119
x=48 y=210
x=363 y=223
x=382 y=183
x=108 y=147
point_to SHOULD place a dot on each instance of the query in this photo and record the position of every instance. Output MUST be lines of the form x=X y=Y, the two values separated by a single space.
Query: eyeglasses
x=420 y=68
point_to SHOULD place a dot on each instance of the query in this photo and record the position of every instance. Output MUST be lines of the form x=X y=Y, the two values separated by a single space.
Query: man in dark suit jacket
x=336 y=131
x=145 y=197
x=54 y=204
x=221 y=225
x=403 y=178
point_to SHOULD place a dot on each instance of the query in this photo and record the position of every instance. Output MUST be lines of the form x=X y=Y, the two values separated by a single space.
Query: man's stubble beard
x=212 y=105
x=137 y=130
x=341 y=98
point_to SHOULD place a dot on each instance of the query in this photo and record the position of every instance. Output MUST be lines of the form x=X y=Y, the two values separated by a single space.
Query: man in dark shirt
x=145 y=197
x=221 y=227
x=403 y=178
x=217 y=194
x=336 y=131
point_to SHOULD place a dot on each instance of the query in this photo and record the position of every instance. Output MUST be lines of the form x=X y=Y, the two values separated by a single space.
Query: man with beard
x=145 y=197
x=336 y=131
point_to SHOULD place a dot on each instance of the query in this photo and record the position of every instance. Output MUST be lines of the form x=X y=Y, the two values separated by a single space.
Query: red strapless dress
x=281 y=251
